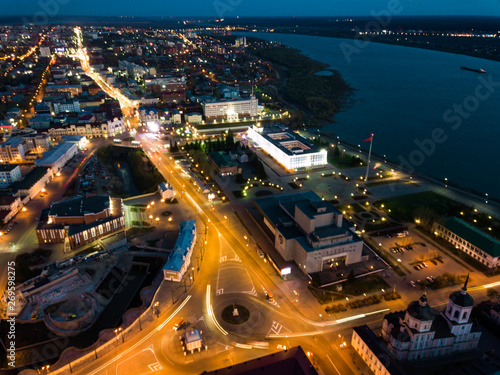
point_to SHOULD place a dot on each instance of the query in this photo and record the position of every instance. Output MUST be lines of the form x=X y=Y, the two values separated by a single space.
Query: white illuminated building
x=231 y=109
x=289 y=149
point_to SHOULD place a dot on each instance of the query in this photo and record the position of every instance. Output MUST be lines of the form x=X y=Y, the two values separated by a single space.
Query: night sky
x=232 y=8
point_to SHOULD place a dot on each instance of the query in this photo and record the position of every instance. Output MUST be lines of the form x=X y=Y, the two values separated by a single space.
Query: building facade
x=104 y=130
x=13 y=150
x=421 y=332
x=180 y=257
x=470 y=240
x=70 y=106
x=80 y=221
x=374 y=353
x=310 y=231
x=226 y=109
x=9 y=174
x=289 y=149
x=224 y=165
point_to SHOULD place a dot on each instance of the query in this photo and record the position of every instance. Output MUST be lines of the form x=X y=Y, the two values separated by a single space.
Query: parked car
x=433 y=262
x=424 y=264
x=412 y=283
x=387 y=275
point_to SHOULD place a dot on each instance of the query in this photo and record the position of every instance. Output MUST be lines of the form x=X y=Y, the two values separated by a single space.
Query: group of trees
x=200 y=149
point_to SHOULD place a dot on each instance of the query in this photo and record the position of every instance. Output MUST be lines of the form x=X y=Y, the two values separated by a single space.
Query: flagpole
x=369 y=157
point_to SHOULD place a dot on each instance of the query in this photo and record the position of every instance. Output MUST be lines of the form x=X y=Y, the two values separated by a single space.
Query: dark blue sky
x=230 y=8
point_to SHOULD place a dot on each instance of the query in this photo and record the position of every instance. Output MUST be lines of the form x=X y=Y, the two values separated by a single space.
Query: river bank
x=302 y=84
x=405 y=95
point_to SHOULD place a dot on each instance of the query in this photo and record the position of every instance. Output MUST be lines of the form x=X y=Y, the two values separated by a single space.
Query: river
x=425 y=111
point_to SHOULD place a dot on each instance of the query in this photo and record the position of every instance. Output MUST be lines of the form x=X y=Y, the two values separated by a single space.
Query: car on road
x=281 y=347
x=269 y=297
x=261 y=253
x=412 y=283
x=179 y=323
x=387 y=275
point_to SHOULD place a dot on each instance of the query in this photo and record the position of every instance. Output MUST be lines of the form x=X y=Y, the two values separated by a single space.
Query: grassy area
x=238 y=193
x=403 y=208
x=357 y=208
x=344 y=161
x=367 y=284
x=383 y=182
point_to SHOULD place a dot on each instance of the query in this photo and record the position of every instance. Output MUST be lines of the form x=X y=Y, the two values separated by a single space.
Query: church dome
x=421 y=310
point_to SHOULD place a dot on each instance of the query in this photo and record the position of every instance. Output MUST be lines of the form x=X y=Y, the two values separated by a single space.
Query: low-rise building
x=148 y=115
x=9 y=173
x=176 y=117
x=32 y=183
x=374 y=352
x=13 y=150
x=9 y=206
x=108 y=129
x=180 y=257
x=37 y=143
x=310 y=231
x=80 y=221
x=193 y=340
x=223 y=163
x=80 y=140
x=289 y=149
x=166 y=190
x=42 y=121
x=73 y=90
x=193 y=118
x=68 y=106
x=58 y=156
x=470 y=240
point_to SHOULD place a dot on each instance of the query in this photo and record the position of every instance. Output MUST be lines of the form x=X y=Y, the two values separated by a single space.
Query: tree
x=351 y=278
x=240 y=179
x=260 y=171
x=492 y=293
x=426 y=216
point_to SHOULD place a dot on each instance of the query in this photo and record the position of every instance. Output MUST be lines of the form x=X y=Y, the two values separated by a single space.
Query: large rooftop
x=291 y=362
x=182 y=246
x=473 y=235
x=35 y=175
x=287 y=141
x=51 y=156
x=80 y=206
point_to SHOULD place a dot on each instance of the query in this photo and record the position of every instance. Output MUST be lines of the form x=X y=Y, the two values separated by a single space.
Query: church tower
x=460 y=305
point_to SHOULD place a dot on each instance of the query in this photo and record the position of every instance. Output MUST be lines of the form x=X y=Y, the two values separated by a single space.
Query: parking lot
x=422 y=260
